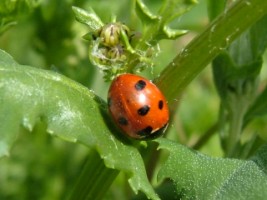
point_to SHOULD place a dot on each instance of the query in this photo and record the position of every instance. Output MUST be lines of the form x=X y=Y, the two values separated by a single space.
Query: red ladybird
x=138 y=107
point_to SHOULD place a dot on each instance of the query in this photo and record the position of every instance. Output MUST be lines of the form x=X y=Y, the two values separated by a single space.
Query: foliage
x=83 y=152
x=201 y=177
x=115 y=49
x=11 y=10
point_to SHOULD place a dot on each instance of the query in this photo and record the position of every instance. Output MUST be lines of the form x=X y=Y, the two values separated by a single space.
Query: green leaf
x=145 y=14
x=71 y=112
x=173 y=33
x=172 y=9
x=197 y=176
x=259 y=107
x=250 y=46
x=89 y=18
x=5 y=25
x=243 y=60
x=257 y=47
x=231 y=78
x=236 y=74
x=157 y=26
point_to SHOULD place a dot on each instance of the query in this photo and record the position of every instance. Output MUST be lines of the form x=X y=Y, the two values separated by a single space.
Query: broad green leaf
x=197 y=176
x=71 y=112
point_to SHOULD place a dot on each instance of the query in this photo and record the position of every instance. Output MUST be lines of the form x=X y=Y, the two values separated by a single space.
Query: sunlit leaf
x=197 y=176
x=71 y=112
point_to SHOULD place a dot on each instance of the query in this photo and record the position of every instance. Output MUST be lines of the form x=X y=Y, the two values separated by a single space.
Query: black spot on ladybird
x=145 y=132
x=143 y=110
x=160 y=104
x=123 y=121
x=140 y=85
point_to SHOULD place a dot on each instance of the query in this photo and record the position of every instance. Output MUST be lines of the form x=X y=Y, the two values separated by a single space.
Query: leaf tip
x=4 y=149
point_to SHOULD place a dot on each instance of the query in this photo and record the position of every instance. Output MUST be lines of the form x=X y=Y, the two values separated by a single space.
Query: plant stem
x=94 y=180
x=238 y=108
x=218 y=36
x=142 y=46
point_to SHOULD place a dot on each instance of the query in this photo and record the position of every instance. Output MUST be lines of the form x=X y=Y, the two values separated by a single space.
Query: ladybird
x=138 y=107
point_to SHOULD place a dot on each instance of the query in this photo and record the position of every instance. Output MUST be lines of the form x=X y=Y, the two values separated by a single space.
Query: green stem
x=142 y=46
x=215 y=8
x=238 y=110
x=95 y=179
x=197 y=55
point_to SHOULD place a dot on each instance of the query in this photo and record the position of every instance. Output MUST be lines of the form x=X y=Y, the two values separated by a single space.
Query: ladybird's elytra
x=138 y=107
